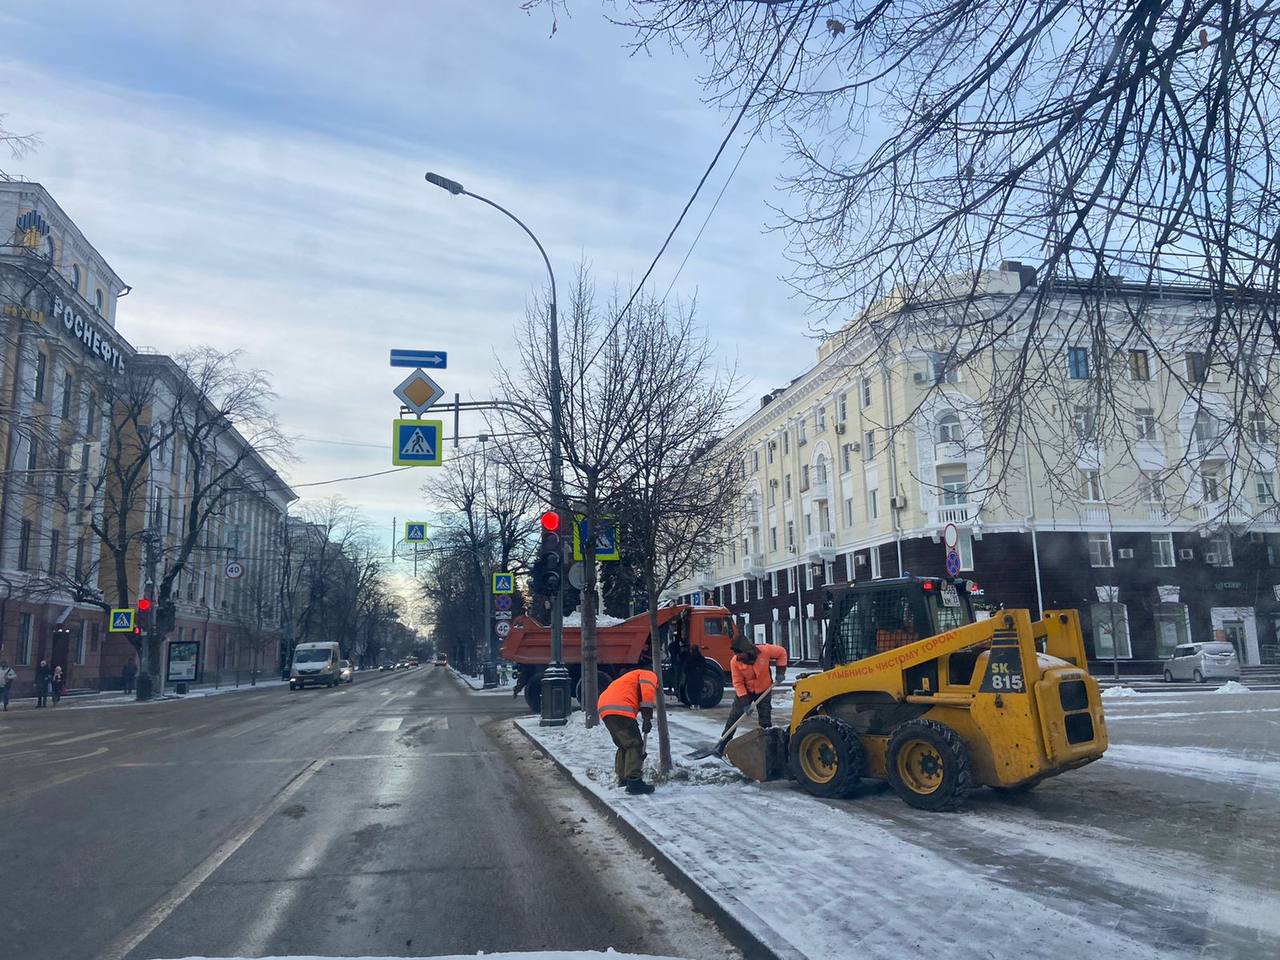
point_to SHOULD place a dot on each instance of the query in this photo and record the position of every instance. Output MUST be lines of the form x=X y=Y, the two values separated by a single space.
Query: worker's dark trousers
x=764 y=710
x=628 y=763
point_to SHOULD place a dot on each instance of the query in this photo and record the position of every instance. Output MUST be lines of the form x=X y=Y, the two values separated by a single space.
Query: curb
x=752 y=945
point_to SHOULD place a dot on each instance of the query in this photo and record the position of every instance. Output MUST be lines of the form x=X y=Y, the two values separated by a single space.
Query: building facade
x=62 y=362
x=857 y=468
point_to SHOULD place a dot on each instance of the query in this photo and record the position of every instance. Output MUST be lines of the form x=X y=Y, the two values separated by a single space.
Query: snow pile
x=1115 y=693
x=602 y=620
x=1231 y=686
x=1213 y=766
x=534 y=955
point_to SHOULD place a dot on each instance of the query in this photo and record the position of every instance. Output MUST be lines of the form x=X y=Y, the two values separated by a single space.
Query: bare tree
x=1127 y=150
x=318 y=537
x=685 y=483
x=601 y=374
x=18 y=144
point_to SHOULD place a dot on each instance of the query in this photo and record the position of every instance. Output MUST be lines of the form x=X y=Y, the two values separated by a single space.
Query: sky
x=255 y=172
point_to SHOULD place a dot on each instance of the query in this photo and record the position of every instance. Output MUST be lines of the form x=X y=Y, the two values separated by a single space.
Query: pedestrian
x=632 y=693
x=128 y=675
x=750 y=671
x=7 y=676
x=44 y=676
x=56 y=684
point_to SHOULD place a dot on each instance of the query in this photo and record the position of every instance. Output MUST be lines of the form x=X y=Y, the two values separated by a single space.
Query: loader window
x=873 y=621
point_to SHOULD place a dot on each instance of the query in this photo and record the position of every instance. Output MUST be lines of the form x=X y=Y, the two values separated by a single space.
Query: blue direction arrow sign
x=416 y=443
x=121 y=620
x=435 y=359
x=415 y=531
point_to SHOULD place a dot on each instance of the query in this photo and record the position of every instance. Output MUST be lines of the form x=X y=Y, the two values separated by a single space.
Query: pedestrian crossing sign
x=415 y=531
x=503 y=583
x=121 y=621
x=416 y=443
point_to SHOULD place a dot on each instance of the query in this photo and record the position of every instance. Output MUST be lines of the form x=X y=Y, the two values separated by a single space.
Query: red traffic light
x=137 y=631
x=551 y=521
x=144 y=604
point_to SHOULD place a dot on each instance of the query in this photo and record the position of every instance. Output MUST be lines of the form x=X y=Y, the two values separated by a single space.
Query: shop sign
x=1227 y=585
x=86 y=331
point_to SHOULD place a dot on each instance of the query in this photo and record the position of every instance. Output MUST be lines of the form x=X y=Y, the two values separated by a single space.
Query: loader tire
x=827 y=757
x=928 y=765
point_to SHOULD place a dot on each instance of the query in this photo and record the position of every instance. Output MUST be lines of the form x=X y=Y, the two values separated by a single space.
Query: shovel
x=704 y=752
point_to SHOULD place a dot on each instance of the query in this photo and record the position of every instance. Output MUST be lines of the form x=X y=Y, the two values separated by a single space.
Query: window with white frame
x=848 y=566
x=1139 y=367
x=1172 y=627
x=791 y=535
x=1210 y=484
x=1100 y=550
x=1258 y=431
x=949 y=427
x=866 y=391
x=808 y=576
x=846 y=457
x=808 y=524
x=820 y=417
x=952 y=484
x=1110 y=631
x=769 y=452
x=733 y=592
x=869 y=445
x=1091 y=486
x=842 y=407
x=848 y=512
x=1078 y=363
x=786 y=441
x=1144 y=421
x=755 y=459
x=1162 y=554
x=800 y=432
x=773 y=583
x=1197 y=363
x=786 y=487
x=1082 y=421
x=1218 y=551
x=804 y=477
x=873 y=505
x=875 y=563
x=1151 y=488
x=26 y=626
x=773 y=494
x=964 y=547
x=791 y=580
x=1204 y=430
x=1264 y=490
x=773 y=538
x=942 y=369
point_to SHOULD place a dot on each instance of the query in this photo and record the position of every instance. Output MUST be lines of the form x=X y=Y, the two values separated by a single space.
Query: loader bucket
x=760 y=754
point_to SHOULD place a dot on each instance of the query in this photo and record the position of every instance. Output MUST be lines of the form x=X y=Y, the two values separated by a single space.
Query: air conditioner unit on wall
x=919 y=376
x=840 y=427
x=1211 y=559
x=1186 y=553
x=898 y=503
x=773 y=482
x=1125 y=553
x=1256 y=537
x=855 y=446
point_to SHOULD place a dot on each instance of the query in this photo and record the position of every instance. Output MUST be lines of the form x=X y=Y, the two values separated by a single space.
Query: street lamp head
x=444 y=183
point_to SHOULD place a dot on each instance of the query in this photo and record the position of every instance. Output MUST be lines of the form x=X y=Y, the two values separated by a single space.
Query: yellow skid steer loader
x=919 y=693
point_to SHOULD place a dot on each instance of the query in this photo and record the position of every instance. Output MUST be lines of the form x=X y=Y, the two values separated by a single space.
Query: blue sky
x=255 y=172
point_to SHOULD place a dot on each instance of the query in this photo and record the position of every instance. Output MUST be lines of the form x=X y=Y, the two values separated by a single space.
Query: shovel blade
x=702 y=752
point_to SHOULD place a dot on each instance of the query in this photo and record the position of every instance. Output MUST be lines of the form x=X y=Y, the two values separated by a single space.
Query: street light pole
x=555 y=679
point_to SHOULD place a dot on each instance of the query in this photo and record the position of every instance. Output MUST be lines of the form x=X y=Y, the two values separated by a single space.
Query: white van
x=316 y=663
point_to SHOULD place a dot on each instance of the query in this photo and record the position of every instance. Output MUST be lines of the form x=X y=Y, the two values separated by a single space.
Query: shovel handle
x=745 y=713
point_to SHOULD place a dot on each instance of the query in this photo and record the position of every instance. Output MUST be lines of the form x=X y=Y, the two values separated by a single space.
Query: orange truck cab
x=695 y=645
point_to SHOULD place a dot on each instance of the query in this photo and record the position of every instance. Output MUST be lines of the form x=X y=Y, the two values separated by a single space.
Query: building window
x=1257 y=430
x=808 y=576
x=733 y=593
x=1162 y=554
x=1210 y=485
x=808 y=524
x=79 y=567
x=791 y=579
x=820 y=418
x=99 y=301
x=965 y=548
x=1265 y=491
x=769 y=452
x=42 y=369
x=848 y=567
x=26 y=624
x=76 y=277
x=1145 y=422
x=1110 y=631
x=842 y=407
x=786 y=441
x=1204 y=431
x=848 y=512
x=801 y=436
x=33 y=453
x=1078 y=363
x=1139 y=368
x=773 y=583
x=1197 y=366
x=82 y=643
x=68 y=385
x=875 y=563
x=1091 y=486
x=786 y=487
x=773 y=538
x=55 y=542
x=952 y=483
x=846 y=457
x=91 y=415
x=804 y=477
x=791 y=536
x=873 y=507
x=1171 y=628
x=1218 y=551
x=949 y=427
x=1082 y=421
x=866 y=392
x=1100 y=550
x=755 y=457
x=869 y=445
x=24 y=545
x=1151 y=487
x=941 y=370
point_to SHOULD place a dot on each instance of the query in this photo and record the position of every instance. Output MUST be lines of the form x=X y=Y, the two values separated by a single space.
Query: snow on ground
x=476 y=684
x=823 y=880
x=1215 y=766
x=125 y=699
x=1232 y=686
x=1116 y=693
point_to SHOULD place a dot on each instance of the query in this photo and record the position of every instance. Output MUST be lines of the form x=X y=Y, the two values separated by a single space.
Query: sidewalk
x=114 y=698
x=811 y=880
x=476 y=684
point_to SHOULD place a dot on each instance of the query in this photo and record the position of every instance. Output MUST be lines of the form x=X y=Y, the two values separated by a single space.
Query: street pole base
x=555 y=697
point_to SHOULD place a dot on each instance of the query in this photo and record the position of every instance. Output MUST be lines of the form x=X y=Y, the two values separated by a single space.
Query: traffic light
x=547 y=571
x=143 y=604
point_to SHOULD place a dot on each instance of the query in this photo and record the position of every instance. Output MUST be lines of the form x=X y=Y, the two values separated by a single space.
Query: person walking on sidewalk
x=632 y=693
x=56 y=684
x=7 y=676
x=127 y=675
x=44 y=677
x=750 y=671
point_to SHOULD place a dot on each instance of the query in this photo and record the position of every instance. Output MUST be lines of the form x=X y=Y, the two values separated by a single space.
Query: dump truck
x=919 y=693
x=695 y=643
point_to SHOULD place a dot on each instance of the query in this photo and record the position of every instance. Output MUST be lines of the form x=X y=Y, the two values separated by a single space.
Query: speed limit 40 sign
x=235 y=570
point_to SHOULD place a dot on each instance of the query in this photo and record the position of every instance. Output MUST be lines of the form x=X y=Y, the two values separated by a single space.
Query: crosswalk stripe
x=390 y=725
x=83 y=736
x=343 y=726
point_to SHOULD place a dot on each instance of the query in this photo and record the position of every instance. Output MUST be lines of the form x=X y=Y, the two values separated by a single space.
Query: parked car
x=386 y=666
x=346 y=672
x=1212 y=660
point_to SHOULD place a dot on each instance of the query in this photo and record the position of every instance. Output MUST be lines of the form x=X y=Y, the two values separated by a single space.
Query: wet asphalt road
x=381 y=818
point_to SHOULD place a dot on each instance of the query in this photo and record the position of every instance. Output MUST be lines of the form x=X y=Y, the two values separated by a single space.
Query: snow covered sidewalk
x=476 y=684
x=873 y=878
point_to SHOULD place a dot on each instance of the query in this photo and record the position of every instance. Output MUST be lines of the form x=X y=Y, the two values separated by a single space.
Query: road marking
x=80 y=756
x=140 y=733
x=343 y=726
x=24 y=753
x=18 y=741
x=145 y=925
x=390 y=725
x=83 y=736
x=185 y=731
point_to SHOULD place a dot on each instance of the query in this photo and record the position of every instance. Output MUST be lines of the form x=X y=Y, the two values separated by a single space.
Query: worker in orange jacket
x=632 y=694
x=750 y=671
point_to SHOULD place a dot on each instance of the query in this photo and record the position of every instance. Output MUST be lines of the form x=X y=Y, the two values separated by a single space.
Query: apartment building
x=1160 y=530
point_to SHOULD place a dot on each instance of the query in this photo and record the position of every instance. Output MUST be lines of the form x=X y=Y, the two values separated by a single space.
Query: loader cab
x=869 y=618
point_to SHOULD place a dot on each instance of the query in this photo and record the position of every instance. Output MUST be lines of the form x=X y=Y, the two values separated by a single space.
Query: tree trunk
x=655 y=645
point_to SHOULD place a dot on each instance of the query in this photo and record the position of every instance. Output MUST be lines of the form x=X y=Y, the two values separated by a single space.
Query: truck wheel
x=533 y=691
x=928 y=765
x=705 y=688
x=827 y=757
x=602 y=681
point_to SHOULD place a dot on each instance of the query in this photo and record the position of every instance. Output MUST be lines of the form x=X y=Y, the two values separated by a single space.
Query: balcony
x=1212 y=448
x=820 y=487
x=752 y=565
x=1096 y=513
x=705 y=578
x=751 y=517
x=961 y=514
x=820 y=547
x=1220 y=511
x=948 y=451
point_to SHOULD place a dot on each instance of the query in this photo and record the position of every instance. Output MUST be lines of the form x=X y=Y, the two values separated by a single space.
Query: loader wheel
x=928 y=765
x=827 y=757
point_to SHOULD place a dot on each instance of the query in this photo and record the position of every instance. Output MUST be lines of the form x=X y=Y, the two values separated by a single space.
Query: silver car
x=1214 y=660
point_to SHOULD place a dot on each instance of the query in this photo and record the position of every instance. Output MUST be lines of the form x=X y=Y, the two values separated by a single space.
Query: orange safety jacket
x=750 y=679
x=624 y=697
